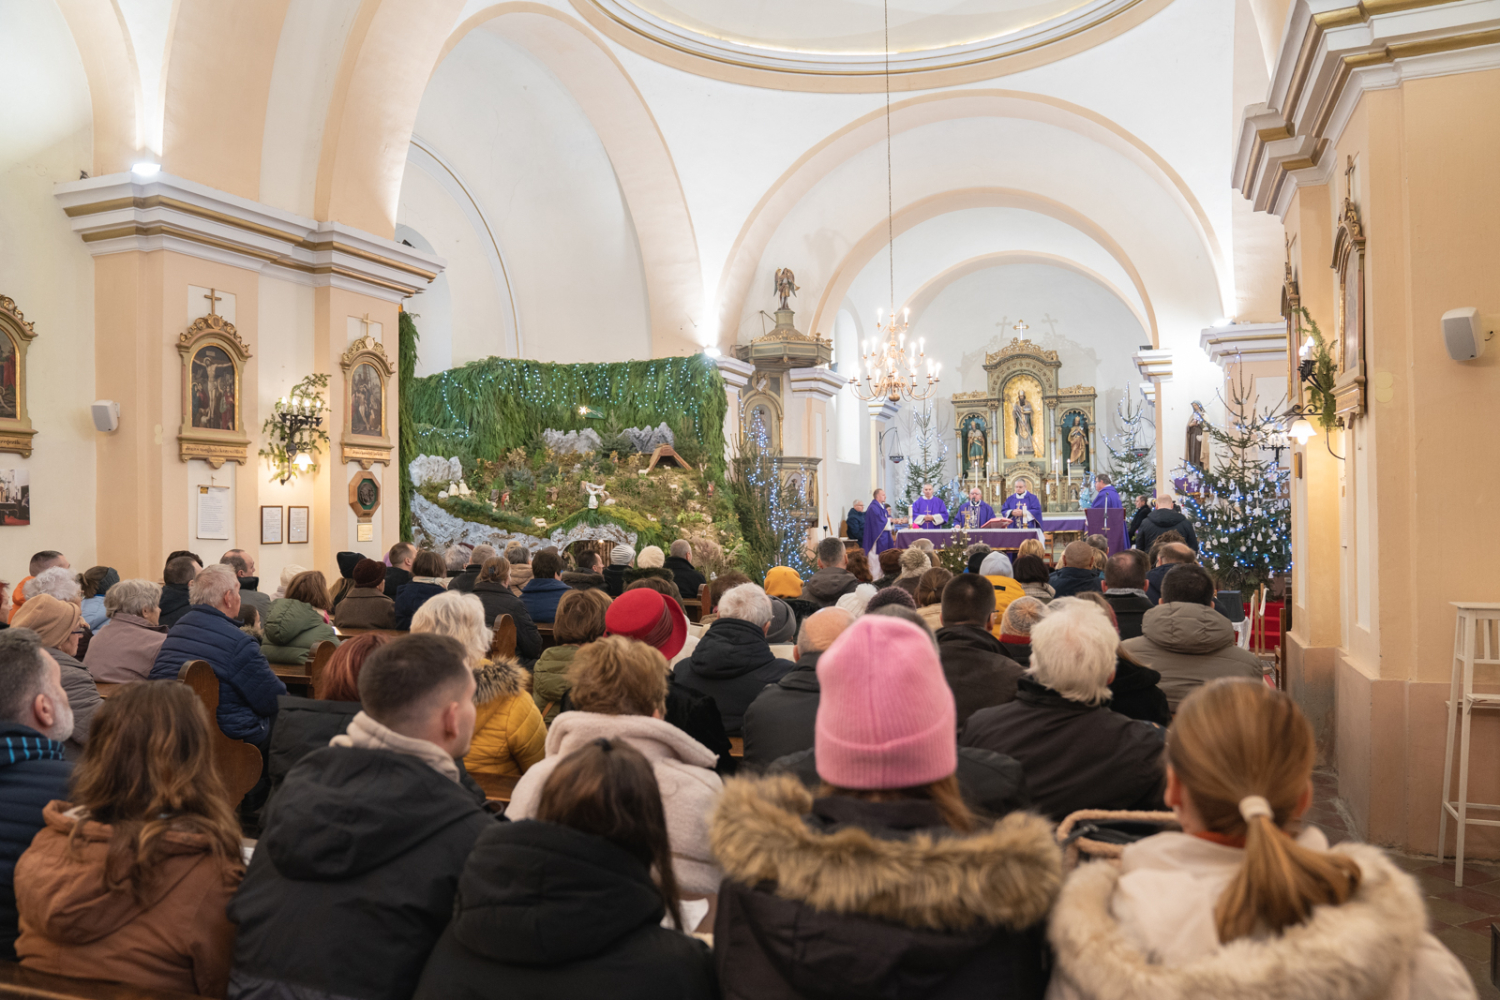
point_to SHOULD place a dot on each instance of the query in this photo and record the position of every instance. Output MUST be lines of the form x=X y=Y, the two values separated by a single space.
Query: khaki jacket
x=1189 y=645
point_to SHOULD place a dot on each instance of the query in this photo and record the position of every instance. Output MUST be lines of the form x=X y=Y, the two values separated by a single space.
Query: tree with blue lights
x=1242 y=514
x=1130 y=463
x=767 y=509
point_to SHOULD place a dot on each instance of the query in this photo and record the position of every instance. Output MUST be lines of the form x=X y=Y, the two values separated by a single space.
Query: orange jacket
x=75 y=922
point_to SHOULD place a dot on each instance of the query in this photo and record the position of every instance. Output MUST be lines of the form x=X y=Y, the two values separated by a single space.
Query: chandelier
x=891 y=364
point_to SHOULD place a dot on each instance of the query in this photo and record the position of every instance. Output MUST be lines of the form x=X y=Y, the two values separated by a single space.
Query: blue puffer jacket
x=410 y=597
x=32 y=773
x=247 y=688
x=541 y=597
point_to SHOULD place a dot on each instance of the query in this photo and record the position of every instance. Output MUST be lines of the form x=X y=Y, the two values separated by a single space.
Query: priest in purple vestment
x=928 y=511
x=974 y=512
x=877 y=524
x=1107 y=496
x=1023 y=500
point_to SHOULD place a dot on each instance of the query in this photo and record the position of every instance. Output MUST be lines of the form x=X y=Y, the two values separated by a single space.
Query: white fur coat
x=1145 y=931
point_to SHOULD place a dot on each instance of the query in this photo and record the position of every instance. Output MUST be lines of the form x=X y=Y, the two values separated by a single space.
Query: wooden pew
x=736 y=746
x=27 y=984
x=237 y=762
x=503 y=644
x=693 y=607
x=546 y=631
x=497 y=787
x=106 y=689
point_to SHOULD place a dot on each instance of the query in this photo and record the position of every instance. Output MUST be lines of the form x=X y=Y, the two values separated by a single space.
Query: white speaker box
x=106 y=414
x=1461 y=334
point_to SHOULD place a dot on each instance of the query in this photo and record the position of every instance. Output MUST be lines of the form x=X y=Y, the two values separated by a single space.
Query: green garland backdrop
x=486 y=409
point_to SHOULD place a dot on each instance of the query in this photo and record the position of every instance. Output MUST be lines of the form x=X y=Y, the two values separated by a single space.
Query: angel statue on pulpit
x=786 y=285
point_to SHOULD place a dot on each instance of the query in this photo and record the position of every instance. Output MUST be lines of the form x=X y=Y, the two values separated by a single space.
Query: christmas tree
x=766 y=507
x=1130 y=463
x=931 y=466
x=1242 y=515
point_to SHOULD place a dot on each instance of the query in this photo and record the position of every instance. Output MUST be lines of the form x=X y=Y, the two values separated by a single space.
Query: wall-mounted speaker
x=1461 y=334
x=106 y=415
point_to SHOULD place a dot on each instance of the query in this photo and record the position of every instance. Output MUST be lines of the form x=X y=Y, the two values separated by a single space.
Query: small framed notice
x=366 y=531
x=270 y=526
x=213 y=512
x=296 y=525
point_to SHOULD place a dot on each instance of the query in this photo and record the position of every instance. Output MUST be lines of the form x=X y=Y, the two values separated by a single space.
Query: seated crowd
x=822 y=787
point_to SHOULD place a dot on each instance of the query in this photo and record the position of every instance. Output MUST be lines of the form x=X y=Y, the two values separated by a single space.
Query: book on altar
x=997 y=522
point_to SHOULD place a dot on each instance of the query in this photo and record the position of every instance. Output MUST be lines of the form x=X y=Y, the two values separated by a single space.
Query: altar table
x=995 y=538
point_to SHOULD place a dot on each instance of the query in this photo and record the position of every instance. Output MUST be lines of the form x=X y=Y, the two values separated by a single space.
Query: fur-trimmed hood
x=498 y=678
x=1004 y=876
x=1372 y=946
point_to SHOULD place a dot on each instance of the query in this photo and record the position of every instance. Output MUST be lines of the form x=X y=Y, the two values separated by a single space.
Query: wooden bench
x=27 y=984
x=239 y=764
x=546 y=631
x=306 y=677
x=106 y=688
x=736 y=746
x=693 y=607
x=497 y=787
x=394 y=633
x=503 y=642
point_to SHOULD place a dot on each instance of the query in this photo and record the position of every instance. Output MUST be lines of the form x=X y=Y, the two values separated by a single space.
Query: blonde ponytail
x=1245 y=752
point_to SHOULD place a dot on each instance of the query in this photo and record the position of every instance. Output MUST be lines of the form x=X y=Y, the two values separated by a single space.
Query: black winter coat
x=1069 y=580
x=360 y=856
x=732 y=663
x=1159 y=522
x=991 y=783
x=394 y=580
x=614 y=580
x=1129 y=610
x=885 y=917
x=976 y=668
x=1140 y=515
x=173 y=604
x=1074 y=756
x=302 y=725
x=1137 y=693
x=1018 y=651
x=411 y=597
x=697 y=715
x=688 y=579
x=32 y=773
x=464 y=582
x=780 y=720
x=530 y=922
x=498 y=600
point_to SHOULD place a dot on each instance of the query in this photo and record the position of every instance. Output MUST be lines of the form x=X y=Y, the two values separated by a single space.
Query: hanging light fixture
x=890 y=363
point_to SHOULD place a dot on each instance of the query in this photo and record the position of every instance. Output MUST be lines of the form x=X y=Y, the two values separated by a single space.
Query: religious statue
x=786 y=285
x=1025 y=443
x=595 y=491
x=976 y=446
x=1078 y=439
x=1197 y=443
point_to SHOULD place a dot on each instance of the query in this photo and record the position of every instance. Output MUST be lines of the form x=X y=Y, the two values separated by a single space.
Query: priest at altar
x=1023 y=504
x=877 y=526
x=928 y=511
x=974 y=512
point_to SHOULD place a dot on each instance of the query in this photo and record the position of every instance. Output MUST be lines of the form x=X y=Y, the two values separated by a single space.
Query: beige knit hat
x=49 y=618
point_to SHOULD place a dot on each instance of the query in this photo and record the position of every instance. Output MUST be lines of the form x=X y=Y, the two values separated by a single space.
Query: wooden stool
x=1476 y=642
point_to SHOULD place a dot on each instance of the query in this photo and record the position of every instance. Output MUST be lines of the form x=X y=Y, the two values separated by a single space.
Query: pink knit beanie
x=885 y=717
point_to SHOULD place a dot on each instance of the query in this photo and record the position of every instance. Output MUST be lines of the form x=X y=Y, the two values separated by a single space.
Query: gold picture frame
x=1349 y=263
x=213 y=417
x=366 y=438
x=365 y=495
x=16 y=431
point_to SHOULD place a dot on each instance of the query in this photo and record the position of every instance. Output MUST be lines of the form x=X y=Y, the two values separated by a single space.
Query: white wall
x=531 y=160
x=45 y=118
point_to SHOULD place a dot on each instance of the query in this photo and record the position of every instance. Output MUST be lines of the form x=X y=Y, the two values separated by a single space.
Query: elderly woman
x=1075 y=753
x=298 y=621
x=1016 y=625
x=509 y=736
x=60 y=624
x=914 y=562
x=930 y=596
x=125 y=651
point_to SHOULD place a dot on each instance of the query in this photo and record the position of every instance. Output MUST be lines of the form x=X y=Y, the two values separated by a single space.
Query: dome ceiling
x=846 y=36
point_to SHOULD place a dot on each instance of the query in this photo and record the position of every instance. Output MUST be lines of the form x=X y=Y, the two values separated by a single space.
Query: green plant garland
x=406 y=430
x=1320 y=390
x=309 y=440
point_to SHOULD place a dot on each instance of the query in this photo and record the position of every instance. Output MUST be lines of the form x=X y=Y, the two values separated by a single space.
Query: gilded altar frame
x=1349 y=263
x=215 y=445
x=357 y=443
x=16 y=431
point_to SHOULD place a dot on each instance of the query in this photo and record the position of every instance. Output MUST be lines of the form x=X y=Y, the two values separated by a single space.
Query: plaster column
x=813 y=388
x=882 y=412
x=1156 y=367
x=736 y=375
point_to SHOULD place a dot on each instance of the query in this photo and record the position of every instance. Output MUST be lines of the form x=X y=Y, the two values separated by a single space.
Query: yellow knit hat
x=783 y=581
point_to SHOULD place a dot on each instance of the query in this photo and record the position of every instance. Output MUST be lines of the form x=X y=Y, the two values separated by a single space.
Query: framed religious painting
x=15 y=336
x=1349 y=264
x=213 y=365
x=367 y=372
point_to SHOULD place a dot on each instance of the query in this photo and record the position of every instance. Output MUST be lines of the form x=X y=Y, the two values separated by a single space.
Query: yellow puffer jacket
x=1006 y=590
x=509 y=735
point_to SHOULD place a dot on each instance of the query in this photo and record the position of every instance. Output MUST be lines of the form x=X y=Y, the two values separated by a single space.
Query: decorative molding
x=1330 y=55
x=1021 y=347
x=1228 y=345
x=1154 y=366
x=119 y=213
x=736 y=373
x=976 y=394
x=1076 y=390
x=1148 y=392
x=883 y=409
x=820 y=382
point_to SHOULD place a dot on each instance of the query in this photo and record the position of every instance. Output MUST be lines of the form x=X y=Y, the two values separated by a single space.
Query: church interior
x=303 y=278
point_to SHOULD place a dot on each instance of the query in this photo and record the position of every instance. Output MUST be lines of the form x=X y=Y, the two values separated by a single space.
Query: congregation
x=835 y=786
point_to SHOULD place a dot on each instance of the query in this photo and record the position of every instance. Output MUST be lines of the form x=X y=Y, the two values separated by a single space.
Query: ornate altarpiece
x=1024 y=405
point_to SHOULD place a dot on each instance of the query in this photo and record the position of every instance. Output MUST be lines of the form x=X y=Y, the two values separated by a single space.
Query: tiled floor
x=1460 y=918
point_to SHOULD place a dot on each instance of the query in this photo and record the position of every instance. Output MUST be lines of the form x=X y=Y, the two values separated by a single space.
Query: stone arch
x=875 y=239
x=740 y=267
